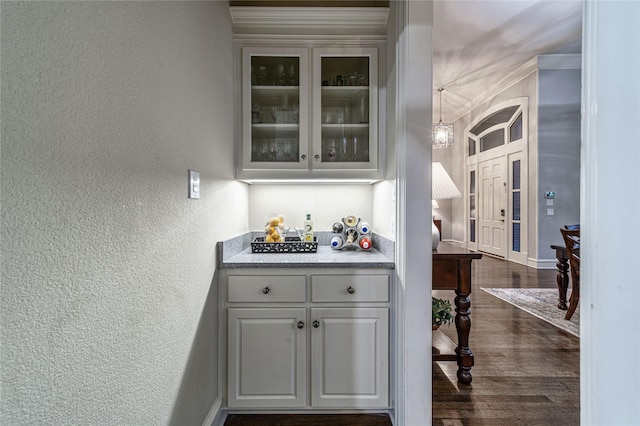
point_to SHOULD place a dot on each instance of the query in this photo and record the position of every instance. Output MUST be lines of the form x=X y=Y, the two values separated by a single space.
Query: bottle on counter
x=337 y=242
x=365 y=243
x=308 y=228
x=363 y=227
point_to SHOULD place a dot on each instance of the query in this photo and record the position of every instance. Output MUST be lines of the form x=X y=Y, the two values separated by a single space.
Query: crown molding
x=309 y=20
x=509 y=80
x=540 y=62
x=572 y=61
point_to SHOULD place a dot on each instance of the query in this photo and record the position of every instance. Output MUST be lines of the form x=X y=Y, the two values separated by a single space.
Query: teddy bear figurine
x=273 y=230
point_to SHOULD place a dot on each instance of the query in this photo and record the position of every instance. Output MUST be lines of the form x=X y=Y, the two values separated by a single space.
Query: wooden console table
x=452 y=271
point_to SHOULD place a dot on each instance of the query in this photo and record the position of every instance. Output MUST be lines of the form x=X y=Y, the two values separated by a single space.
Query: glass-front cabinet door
x=275 y=94
x=345 y=108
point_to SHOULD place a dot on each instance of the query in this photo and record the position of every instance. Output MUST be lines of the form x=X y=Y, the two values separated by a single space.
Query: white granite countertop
x=236 y=253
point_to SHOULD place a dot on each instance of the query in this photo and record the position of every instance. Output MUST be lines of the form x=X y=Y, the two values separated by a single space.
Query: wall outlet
x=392 y=229
x=550 y=212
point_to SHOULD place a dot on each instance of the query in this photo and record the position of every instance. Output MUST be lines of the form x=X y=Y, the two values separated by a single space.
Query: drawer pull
x=351 y=290
x=300 y=324
x=316 y=324
x=266 y=290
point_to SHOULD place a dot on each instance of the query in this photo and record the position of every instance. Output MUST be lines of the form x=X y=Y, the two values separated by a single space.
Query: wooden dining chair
x=572 y=243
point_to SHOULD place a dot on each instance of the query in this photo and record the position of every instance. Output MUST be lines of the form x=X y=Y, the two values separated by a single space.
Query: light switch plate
x=194 y=184
x=550 y=212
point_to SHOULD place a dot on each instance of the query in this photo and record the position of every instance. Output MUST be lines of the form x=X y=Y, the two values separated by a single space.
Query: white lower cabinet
x=329 y=350
x=267 y=357
x=349 y=361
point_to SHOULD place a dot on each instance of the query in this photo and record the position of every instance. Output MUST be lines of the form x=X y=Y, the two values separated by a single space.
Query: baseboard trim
x=215 y=417
x=542 y=263
x=456 y=243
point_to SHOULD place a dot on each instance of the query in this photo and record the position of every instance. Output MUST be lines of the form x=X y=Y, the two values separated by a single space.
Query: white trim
x=413 y=169
x=560 y=62
x=508 y=150
x=541 y=263
x=609 y=391
x=309 y=20
x=215 y=416
x=456 y=243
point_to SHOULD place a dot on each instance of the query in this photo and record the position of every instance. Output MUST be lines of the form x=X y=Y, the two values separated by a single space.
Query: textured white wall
x=108 y=311
x=326 y=204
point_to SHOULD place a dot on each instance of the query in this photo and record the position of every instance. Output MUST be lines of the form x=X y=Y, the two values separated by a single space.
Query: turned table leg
x=562 y=278
x=463 y=326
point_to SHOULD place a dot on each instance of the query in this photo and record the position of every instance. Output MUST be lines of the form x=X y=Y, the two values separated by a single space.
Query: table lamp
x=442 y=188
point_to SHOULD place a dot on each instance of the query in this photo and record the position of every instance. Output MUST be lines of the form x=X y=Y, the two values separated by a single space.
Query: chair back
x=572 y=243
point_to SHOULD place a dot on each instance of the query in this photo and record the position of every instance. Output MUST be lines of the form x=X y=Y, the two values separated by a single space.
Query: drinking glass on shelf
x=327 y=115
x=355 y=148
x=288 y=151
x=255 y=113
x=331 y=150
x=273 y=151
x=262 y=75
x=264 y=151
x=352 y=78
x=280 y=74
x=291 y=74
x=363 y=107
x=347 y=114
x=345 y=149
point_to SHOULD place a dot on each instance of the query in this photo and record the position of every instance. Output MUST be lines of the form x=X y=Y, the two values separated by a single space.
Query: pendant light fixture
x=442 y=134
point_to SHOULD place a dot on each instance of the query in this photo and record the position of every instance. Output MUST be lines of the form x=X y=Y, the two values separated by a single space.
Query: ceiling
x=479 y=46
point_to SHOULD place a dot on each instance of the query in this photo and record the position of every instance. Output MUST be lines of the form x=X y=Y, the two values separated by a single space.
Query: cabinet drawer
x=350 y=288
x=277 y=288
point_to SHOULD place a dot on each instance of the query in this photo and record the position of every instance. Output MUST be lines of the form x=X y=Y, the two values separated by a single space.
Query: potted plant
x=441 y=312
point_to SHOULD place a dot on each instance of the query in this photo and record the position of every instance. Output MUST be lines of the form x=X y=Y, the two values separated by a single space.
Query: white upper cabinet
x=309 y=101
x=345 y=109
x=275 y=109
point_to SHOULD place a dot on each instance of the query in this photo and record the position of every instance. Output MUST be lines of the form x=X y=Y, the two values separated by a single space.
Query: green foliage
x=441 y=309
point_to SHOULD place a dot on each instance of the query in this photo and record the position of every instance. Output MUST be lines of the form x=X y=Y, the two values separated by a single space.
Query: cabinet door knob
x=316 y=324
x=266 y=290
x=300 y=324
x=316 y=157
x=351 y=290
x=303 y=156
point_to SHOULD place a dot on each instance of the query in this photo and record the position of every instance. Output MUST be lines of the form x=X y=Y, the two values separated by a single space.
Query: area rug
x=541 y=302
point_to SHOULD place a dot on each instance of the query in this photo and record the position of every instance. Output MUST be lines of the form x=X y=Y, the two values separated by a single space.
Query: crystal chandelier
x=442 y=134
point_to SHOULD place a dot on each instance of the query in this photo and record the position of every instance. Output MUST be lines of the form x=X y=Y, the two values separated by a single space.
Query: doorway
x=496 y=181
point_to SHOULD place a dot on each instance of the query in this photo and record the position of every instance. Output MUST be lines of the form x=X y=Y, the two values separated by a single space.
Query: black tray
x=289 y=245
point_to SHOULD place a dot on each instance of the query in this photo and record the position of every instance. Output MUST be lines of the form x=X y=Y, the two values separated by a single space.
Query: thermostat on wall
x=550 y=194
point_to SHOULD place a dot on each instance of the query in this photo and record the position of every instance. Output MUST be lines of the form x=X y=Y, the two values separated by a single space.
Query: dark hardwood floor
x=527 y=372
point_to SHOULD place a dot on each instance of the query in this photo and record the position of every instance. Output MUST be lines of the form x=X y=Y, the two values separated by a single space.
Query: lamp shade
x=442 y=186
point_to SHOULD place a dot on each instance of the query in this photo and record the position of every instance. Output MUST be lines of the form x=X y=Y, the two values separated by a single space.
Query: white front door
x=492 y=235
